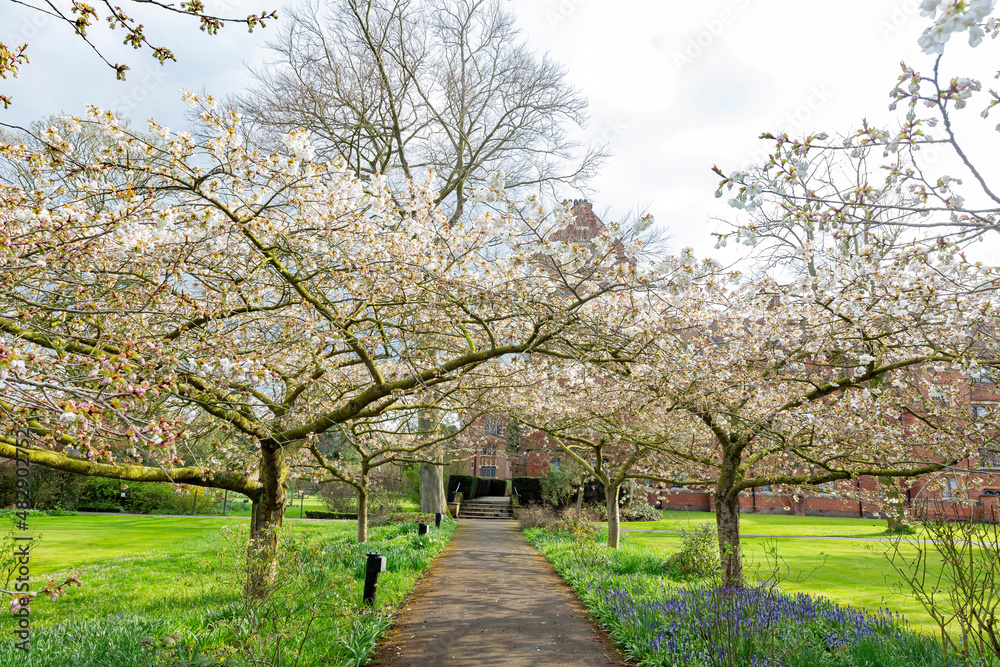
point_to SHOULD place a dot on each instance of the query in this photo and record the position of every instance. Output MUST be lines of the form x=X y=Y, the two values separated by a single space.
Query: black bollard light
x=437 y=519
x=421 y=529
x=374 y=565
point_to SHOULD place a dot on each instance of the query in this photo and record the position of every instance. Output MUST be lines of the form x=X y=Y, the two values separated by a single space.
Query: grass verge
x=158 y=593
x=659 y=623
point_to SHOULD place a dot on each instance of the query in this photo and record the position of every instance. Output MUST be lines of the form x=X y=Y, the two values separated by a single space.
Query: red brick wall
x=679 y=499
x=766 y=503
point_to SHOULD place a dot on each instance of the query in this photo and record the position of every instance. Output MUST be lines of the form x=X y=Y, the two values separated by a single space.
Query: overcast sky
x=674 y=87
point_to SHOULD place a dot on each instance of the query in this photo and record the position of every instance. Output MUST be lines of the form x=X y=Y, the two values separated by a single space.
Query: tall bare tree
x=403 y=87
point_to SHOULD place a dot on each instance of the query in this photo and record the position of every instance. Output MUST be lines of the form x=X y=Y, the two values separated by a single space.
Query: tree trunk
x=611 y=496
x=579 y=502
x=727 y=521
x=432 y=494
x=895 y=506
x=727 y=517
x=363 y=513
x=265 y=522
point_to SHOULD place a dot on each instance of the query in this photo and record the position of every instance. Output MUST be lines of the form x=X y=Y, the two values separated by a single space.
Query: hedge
x=528 y=490
x=99 y=507
x=492 y=487
x=318 y=514
x=476 y=487
x=467 y=484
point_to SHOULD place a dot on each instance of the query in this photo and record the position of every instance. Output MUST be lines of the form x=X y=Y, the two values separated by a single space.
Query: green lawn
x=152 y=577
x=772 y=524
x=74 y=541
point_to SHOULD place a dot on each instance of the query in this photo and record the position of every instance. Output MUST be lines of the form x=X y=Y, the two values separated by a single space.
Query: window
x=991 y=458
x=556 y=464
x=827 y=487
x=493 y=426
x=488 y=461
x=950 y=489
x=978 y=411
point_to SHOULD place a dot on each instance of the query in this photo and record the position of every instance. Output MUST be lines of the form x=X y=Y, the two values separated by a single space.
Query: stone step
x=486 y=508
x=463 y=514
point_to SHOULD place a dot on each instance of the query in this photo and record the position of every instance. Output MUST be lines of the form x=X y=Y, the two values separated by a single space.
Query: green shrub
x=49 y=489
x=339 y=497
x=99 y=490
x=640 y=511
x=577 y=526
x=319 y=514
x=698 y=557
x=100 y=506
x=6 y=513
x=61 y=512
x=411 y=517
x=411 y=474
x=150 y=497
x=558 y=484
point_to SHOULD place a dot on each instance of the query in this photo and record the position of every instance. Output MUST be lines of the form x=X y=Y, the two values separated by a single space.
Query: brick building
x=972 y=487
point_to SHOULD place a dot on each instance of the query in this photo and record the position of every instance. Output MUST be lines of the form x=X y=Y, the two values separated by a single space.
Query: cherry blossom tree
x=892 y=178
x=804 y=384
x=586 y=402
x=275 y=296
x=855 y=368
x=402 y=435
x=906 y=201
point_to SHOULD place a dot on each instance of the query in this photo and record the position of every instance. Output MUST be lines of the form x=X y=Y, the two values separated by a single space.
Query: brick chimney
x=585 y=225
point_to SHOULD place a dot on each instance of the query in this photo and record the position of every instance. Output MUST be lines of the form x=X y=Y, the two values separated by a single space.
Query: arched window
x=493 y=426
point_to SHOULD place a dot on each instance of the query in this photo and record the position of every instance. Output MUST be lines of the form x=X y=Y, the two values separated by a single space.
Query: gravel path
x=491 y=600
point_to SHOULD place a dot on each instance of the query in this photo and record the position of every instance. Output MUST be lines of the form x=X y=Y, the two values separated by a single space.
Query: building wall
x=488 y=447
